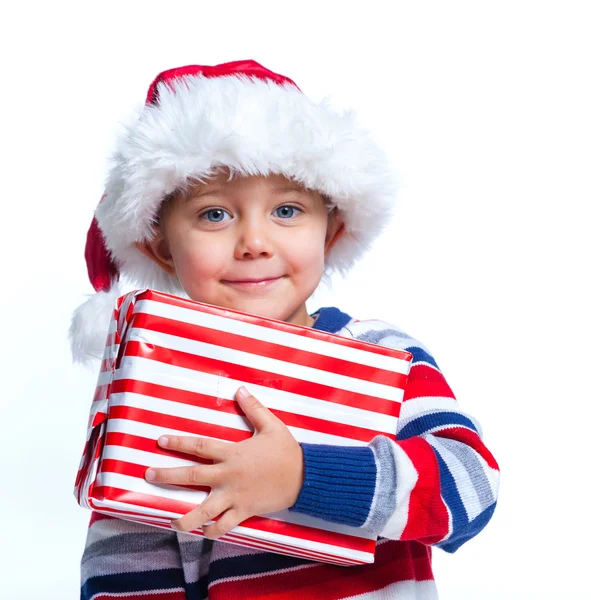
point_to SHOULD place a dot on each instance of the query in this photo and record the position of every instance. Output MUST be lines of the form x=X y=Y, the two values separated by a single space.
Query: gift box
x=172 y=365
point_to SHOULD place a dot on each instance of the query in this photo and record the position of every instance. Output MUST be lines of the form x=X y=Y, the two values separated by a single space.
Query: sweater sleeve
x=437 y=483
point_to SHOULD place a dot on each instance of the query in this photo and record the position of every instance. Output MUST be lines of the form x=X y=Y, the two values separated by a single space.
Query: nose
x=253 y=240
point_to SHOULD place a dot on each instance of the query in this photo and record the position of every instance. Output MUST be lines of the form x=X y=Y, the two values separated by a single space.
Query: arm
x=437 y=483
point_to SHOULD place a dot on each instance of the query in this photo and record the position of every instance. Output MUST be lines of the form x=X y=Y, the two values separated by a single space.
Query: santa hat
x=245 y=118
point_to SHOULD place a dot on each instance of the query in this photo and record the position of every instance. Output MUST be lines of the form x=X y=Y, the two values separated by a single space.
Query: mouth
x=251 y=283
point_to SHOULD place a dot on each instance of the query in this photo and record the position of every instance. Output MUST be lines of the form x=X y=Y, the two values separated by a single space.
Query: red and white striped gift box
x=172 y=365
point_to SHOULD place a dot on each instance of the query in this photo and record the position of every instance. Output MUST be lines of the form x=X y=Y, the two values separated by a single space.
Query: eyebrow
x=288 y=188
x=196 y=196
x=276 y=191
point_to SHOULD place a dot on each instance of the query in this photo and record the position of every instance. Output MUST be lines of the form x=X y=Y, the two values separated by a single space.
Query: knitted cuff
x=339 y=483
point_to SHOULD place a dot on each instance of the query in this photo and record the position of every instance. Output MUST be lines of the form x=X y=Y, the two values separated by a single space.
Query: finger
x=214 y=505
x=190 y=444
x=258 y=414
x=223 y=525
x=204 y=475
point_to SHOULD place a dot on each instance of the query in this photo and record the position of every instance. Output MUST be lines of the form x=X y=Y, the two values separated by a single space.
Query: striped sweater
x=436 y=485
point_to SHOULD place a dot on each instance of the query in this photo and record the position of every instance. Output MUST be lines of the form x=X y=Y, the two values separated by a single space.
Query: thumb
x=258 y=414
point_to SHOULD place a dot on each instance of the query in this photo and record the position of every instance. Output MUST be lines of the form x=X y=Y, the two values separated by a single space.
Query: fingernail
x=242 y=392
x=150 y=474
x=163 y=441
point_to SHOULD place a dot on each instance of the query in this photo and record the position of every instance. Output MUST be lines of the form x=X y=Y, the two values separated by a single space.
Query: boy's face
x=253 y=244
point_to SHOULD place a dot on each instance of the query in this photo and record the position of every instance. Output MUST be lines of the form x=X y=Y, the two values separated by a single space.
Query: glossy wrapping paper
x=173 y=366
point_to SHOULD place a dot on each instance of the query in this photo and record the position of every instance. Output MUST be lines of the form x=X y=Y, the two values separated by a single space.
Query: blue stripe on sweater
x=451 y=497
x=426 y=423
x=163 y=579
x=331 y=319
x=472 y=529
x=251 y=564
x=420 y=355
x=462 y=529
x=197 y=590
x=339 y=483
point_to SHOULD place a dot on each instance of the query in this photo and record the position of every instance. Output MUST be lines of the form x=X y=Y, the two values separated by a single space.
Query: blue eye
x=217 y=215
x=287 y=212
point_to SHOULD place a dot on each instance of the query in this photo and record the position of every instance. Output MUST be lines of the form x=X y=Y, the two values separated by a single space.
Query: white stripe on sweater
x=406 y=479
x=461 y=477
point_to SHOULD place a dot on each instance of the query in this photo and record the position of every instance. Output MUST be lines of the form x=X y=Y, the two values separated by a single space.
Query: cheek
x=197 y=260
x=308 y=252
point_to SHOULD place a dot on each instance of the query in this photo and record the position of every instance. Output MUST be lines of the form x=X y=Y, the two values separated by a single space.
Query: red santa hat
x=245 y=118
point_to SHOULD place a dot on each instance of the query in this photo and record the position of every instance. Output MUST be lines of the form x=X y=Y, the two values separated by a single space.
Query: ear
x=158 y=250
x=334 y=230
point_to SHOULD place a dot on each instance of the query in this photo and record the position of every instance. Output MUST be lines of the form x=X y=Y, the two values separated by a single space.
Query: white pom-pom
x=90 y=325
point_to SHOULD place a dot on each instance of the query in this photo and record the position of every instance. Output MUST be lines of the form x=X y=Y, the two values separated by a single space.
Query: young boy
x=234 y=189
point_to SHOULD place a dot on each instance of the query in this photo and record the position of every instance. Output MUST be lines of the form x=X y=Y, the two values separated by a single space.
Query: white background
x=484 y=107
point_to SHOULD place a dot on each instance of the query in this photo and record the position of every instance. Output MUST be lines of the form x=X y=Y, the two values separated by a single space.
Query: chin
x=267 y=309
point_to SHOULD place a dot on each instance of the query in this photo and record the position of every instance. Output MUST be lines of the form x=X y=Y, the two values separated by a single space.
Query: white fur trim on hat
x=90 y=325
x=252 y=127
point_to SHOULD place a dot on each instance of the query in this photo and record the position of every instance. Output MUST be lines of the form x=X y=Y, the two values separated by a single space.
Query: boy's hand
x=259 y=475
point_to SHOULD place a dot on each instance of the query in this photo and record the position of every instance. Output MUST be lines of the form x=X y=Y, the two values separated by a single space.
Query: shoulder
x=385 y=334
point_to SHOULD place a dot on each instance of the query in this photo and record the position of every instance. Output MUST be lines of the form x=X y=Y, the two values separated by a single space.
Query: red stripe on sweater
x=424 y=380
x=472 y=439
x=394 y=562
x=427 y=513
x=95 y=517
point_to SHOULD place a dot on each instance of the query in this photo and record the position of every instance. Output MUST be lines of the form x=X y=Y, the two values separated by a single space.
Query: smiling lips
x=252 y=282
